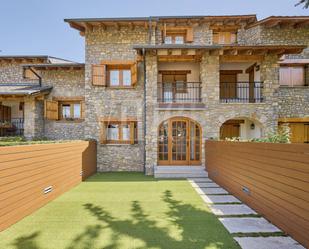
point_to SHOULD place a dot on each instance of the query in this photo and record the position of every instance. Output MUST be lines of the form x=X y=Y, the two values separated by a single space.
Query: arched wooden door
x=179 y=142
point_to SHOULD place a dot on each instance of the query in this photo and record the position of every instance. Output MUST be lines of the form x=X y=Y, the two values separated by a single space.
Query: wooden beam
x=293 y=120
x=272 y=24
x=241 y=58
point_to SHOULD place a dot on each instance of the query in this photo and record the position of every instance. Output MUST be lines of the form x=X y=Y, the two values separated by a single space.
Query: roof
x=81 y=23
x=45 y=66
x=45 y=58
x=272 y=21
x=22 y=89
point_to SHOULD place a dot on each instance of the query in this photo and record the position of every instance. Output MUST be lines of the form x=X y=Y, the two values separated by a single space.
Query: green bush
x=281 y=136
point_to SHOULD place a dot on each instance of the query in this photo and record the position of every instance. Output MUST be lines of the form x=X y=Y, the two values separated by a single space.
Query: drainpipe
x=145 y=126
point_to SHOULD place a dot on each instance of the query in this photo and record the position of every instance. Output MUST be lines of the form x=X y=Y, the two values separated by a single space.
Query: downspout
x=145 y=106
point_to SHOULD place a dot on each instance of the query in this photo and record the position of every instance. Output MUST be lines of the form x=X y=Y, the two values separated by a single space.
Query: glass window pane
x=112 y=132
x=168 y=40
x=126 y=132
x=126 y=77
x=179 y=40
x=66 y=111
x=114 y=77
x=77 y=110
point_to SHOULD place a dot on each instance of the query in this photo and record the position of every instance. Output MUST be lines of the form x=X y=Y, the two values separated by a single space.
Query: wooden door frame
x=170 y=162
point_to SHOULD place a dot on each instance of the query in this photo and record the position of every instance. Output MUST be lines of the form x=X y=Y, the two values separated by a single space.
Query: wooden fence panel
x=276 y=176
x=25 y=171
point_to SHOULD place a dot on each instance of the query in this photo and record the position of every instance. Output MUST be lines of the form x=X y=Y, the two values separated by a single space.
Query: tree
x=305 y=2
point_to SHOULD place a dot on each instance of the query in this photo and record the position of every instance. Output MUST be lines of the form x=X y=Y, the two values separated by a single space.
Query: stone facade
x=115 y=42
x=112 y=44
x=294 y=102
x=66 y=83
x=12 y=72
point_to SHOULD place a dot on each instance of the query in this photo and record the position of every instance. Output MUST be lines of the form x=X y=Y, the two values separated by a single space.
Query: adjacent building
x=153 y=89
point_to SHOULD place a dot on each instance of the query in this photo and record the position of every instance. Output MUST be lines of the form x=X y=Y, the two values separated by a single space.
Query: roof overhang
x=56 y=66
x=23 y=90
x=282 y=21
x=262 y=49
x=82 y=24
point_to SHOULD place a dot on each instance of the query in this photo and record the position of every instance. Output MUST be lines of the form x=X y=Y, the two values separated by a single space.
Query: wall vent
x=246 y=190
x=48 y=189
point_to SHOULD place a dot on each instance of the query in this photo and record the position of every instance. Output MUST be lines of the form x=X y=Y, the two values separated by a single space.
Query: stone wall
x=33 y=118
x=12 y=72
x=113 y=44
x=66 y=83
x=215 y=113
x=293 y=102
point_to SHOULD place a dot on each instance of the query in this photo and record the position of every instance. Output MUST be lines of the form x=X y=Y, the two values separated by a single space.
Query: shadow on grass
x=195 y=228
x=27 y=242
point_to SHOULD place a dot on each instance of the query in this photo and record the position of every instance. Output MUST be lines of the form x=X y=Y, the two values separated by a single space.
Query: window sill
x=120 y=87
x=70 y=121
x=282 y=86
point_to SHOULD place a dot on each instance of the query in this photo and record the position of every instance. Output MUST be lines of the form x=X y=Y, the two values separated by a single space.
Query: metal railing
x=241 y=92
x=12 y=127
x=179 y=92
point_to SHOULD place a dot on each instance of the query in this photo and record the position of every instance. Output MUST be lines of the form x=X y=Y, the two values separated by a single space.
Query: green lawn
x=121 y=210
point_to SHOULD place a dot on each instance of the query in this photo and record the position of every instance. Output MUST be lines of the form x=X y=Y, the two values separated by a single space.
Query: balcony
x=12 y=127
x=241 y=92
x=180 y=94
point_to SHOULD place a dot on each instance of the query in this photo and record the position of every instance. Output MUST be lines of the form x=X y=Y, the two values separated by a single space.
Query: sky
x=36 y=27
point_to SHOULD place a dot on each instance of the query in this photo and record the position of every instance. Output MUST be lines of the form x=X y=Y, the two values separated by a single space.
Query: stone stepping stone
x=204 y=185
x=248 y=225
x=199 y=179
x=268 y=243
x=212 y=199
x=211 y=191
x=240 y=209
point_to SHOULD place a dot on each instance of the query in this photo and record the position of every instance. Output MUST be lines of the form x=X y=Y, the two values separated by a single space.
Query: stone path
x=239 y=219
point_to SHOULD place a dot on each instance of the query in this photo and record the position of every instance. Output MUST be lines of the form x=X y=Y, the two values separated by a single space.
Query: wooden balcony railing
x=179 y=92
x=241 y=92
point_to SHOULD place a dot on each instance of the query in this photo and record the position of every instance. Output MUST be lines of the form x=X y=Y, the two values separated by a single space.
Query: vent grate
x=48 y=189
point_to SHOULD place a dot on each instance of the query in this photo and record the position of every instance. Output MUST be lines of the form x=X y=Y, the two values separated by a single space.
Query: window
x=292 y=76
x=121 y=75
x=224 y=37
x=174 y=38
x=70 y=110
x=119 y=132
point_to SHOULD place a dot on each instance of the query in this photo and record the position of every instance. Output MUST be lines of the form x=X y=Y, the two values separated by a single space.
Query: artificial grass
x=121 y=210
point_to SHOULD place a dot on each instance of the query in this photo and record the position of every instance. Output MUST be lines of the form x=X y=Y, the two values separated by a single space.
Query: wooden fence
x=273 y=179
x=33 y=175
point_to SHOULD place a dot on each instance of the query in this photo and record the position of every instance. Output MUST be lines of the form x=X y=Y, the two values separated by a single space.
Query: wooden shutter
x=51 y=110
x=134 y=74
x=99 y=75
x=103 y=132
x=82 y=107
x=132 y=135
x=215 y=38
x=189 y=35
x=297 y=76
x=284 y=76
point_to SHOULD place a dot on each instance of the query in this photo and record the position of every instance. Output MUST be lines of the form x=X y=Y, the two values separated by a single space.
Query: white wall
x=194 y=76
x=240 y=66
x=247 y=133
x=15 y=112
